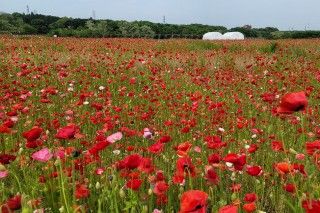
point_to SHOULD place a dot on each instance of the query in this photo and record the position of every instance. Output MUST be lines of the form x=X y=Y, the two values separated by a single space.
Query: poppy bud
x=20 y=151
x=61 y=209
x=2 y=168
x=122 y=193
x=98 y=185
x=234 y=196
x=75 y=153
x=144 y=209
x=149 y=191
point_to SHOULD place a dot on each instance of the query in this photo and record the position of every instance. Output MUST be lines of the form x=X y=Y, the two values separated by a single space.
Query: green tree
x=61 y=23
x=146 y=32
x=90 y=25
x=129 y=29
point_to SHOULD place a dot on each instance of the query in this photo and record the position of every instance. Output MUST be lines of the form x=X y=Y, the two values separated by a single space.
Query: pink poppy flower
x=114 y=137
x=59 y=154
x=42 y=155
x=147 y=133
x=3 y=174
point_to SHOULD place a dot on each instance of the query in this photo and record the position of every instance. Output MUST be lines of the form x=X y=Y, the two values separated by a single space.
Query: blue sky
x=284 y=14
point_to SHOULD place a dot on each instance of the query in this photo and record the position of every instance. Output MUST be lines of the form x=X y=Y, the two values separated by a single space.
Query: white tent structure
x=212 y=36
x=233 y=36
x=226 y=36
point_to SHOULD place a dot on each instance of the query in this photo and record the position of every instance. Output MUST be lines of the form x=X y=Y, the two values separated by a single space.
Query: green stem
x=3 y=144
x=99 y=206
x=62 y=188
x=17 y=179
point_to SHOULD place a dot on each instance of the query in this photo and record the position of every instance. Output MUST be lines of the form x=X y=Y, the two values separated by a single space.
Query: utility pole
x=28 y=10
x=164 y=19
x=93 y=14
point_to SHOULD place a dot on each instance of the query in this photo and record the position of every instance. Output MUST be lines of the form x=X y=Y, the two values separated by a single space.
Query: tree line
x=20 y=23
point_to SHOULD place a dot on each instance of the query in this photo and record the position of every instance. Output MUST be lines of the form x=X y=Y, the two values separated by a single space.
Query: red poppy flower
x=183 y=148
x=9 y=123
x=33 y=134
x=185 y=166
x=212 y=176
x=6 y=158
x=293 y=102
x=66 y=132
x=254 y=170
x=253 y=148
x=5 y=129
x=165 y=139
x=214 y=142
x=238 y=161
x=235 y=187
x=132 y=161
x=160 y=176
x=277 y=146
x=194 y=201
x=34 y=144
x=168 y=123
x=82 y=191
x=214 y=159
x=228 y=209
x=160 y=187
x=311 y=206
x=156 y=148
x=283 y=167
x=185 y=129
x=14 y=203
x=290 y=187
x=146 y=165
x=312 y=147
x=249 y=207
x=299 y=168
x=134 y=184
x=5 y=209
x=178 y=179
x=268 y=97
x=250 y=197
x=98 y=147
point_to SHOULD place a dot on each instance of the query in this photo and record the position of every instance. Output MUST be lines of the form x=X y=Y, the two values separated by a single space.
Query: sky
x=284 y=14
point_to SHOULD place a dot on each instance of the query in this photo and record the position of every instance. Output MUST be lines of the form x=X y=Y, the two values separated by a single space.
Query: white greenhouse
x=226 y=36
x=233 y=36
x=212 y=36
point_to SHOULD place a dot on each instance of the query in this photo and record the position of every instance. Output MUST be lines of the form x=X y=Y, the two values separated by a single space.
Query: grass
x=269 y=48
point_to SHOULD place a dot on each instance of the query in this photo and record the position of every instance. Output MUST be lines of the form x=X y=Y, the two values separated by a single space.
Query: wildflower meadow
x=161 y=126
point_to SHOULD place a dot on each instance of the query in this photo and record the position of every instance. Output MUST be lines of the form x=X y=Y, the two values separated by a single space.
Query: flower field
x=138 y=125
